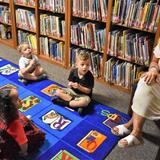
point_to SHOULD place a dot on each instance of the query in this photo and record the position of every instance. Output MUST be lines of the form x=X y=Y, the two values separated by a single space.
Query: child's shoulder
x=90 y=73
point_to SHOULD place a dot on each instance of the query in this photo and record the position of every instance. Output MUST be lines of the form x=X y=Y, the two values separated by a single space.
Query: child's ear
x=19 y=49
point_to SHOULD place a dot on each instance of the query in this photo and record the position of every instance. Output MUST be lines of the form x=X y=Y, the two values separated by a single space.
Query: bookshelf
x=58 y=30
x=6 y=30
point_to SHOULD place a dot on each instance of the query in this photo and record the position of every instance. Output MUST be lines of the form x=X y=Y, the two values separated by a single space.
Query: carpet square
x=38 y=87
x=7 y=83
x=56 y=120
x=50 y=141
x=8 y=70
x=101 y=113
x=2 y=78
x=91 y=140
x=3 y=62
x=33 y=103
x=63 y=151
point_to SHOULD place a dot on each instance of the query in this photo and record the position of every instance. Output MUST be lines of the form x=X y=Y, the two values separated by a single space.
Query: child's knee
x=85 y=101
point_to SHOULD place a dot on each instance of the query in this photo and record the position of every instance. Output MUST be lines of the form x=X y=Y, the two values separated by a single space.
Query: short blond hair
x=22 y=46
x=83 y=55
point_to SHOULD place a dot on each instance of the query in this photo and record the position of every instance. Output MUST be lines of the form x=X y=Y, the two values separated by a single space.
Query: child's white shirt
x=24 y=62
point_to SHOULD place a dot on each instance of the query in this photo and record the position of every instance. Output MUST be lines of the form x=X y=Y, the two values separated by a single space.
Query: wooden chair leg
x=131 y=100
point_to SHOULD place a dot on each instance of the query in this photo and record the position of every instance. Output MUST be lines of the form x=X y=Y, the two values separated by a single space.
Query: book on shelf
x=5 y=32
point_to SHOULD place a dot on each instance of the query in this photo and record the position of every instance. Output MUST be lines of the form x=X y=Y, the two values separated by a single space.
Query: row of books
x=143 y=14
x=25 y=2
x=88 y=35
x=5 y=32
x=53 y=5
x=5 y=14
x=52 y=25
x=132 y=46
x=93 y=9
x=25 y=19
x=120 y=73
x=96 y=60
x=27 y=37
x=51 y=48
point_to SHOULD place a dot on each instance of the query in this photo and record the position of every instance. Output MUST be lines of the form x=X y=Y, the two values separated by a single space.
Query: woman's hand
x=150 y=76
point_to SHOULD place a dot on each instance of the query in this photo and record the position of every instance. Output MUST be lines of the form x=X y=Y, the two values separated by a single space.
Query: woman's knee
x=143 y=88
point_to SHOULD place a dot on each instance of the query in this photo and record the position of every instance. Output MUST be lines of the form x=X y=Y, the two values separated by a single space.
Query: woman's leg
x=138 y=122
x=128 y=125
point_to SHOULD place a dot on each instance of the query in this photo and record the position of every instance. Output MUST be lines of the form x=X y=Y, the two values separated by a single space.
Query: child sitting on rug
x=15 y=141
x=11 y=92
x=10 y=118
x=81 y=83
x=30 y=68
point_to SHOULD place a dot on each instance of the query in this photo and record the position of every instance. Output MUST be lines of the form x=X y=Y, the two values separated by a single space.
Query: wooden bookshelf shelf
x=3 y=2
x=1 y=22
x=88 y=18
x=54 y=37
x=102 y=52
x=8 y=42
x=127 y=60
x=132 y=27
x=26 y=30
x=51 y=11
x=51 y=60
x=26 y=6
x=99 y=35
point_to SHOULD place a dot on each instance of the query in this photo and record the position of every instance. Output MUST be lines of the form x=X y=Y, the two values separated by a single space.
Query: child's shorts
x=76 y=96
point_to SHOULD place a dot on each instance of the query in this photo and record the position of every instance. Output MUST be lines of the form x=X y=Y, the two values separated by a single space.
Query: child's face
x=26 y=51
x=83 y=66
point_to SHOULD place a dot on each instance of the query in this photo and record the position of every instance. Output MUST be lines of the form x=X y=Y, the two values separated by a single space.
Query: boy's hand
x=73 y=85
x=32 y=61
x=70 y=84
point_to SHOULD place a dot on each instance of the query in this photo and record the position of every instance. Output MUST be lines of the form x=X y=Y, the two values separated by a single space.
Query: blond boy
x=81 y=83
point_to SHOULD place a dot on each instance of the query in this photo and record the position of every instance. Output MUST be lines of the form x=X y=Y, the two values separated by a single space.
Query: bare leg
x=38 y=71
x=79 y=103
x=138 y=122
x=30 y=76
x=128 y=125
x=61 y=94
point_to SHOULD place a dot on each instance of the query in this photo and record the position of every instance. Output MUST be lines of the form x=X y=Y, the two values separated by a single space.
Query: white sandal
x=122 y=130
x=131 y=140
